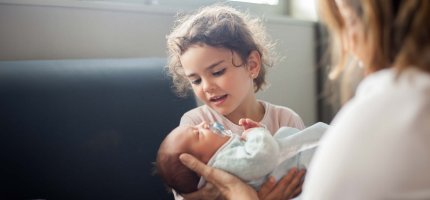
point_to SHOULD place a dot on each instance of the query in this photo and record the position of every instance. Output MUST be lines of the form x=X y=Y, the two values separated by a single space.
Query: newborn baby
x=253 y=155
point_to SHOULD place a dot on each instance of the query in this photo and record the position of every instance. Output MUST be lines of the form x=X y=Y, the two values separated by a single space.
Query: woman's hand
x=208 y=191
x=228 y=185
x=288 y=187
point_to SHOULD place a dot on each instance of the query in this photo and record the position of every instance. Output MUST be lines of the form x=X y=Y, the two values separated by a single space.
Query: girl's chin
x=220 y=110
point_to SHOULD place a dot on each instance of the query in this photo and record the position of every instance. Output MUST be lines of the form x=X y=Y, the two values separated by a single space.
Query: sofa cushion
x=84 y=129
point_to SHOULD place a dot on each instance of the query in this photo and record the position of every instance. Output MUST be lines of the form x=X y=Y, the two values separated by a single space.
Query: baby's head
x=198 y=141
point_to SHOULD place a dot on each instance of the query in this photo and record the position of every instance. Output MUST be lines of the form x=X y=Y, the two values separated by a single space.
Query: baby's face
x=200 y=140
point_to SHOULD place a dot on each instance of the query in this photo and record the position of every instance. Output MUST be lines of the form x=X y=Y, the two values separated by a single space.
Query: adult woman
x=379 y=144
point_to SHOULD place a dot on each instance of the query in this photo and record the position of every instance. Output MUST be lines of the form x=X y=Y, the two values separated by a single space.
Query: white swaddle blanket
x=262 y=155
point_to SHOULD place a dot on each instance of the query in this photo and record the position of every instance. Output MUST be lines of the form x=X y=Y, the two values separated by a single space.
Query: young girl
x=223 y=55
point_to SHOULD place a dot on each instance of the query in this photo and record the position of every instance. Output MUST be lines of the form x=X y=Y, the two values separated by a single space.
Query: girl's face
x=218 y=83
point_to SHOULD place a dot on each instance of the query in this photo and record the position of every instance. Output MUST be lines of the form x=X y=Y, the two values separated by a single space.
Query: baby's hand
x=247 y=123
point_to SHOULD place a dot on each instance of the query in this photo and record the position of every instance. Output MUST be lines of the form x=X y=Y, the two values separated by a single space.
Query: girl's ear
x=254 y=63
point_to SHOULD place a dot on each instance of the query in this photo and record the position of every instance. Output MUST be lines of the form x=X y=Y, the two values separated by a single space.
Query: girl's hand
x=247 y=123
x=288 y=187
x=228 y=185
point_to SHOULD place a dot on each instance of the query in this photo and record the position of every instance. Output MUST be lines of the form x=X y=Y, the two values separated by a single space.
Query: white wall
x=293 y=80
x=82 y=30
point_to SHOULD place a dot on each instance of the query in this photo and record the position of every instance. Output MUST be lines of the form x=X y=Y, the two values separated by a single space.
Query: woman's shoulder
x=389 y=81
x=389 y=117
x=389 y=91
x=385 y=97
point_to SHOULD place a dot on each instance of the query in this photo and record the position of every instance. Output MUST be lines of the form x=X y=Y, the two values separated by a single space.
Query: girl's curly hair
x=218 y=26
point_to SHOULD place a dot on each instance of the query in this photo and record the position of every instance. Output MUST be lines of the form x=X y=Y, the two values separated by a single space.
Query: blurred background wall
x=62 y=29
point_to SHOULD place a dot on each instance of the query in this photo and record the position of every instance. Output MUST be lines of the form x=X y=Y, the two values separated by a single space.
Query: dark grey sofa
x=84 y=129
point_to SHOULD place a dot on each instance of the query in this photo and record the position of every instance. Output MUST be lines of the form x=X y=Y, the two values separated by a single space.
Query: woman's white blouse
x=379 y=144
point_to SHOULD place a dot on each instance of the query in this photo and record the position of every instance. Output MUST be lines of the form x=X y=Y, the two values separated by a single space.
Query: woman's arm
x=207 y=192
x=229 y=186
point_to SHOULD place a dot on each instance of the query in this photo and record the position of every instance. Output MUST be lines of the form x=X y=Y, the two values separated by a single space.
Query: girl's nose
x=208 y=86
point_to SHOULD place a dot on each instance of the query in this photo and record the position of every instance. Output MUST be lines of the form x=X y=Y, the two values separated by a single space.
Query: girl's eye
x=219 y=73
x=196 y=82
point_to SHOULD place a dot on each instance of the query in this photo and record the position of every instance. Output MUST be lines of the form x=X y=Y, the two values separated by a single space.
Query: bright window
x=266 y=7
x=268 y=2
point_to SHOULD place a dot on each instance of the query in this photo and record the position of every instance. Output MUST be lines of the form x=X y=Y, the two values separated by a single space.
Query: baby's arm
x=250 y=159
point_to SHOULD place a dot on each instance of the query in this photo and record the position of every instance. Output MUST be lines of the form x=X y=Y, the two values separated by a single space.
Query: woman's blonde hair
x=397 y=33
x=218 y=26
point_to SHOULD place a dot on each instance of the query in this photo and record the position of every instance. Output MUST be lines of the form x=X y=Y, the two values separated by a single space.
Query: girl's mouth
x=218 y=100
